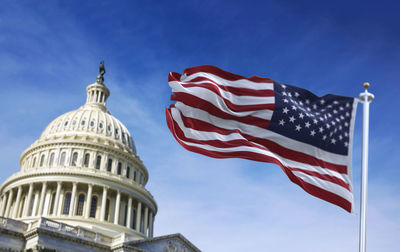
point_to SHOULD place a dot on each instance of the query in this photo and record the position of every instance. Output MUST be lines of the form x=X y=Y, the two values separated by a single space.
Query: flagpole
x=366 y=98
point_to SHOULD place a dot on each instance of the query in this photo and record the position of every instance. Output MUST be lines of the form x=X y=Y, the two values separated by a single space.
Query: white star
x=321 y=119
x=328 y=126
x=285 y=110
x=333 y=123
x=322 y=101
x=346 y=134
x=341 y=117
x=308 y=109
x=301 y=103
x=346 y=124
x=347 y=114
x=340 y=127
x=312 y=132
x=315 y=121
x=341 y=108
x=335 y=111
x=333 y=140
x=294 y=108
x=323 y=137
x=291 y=119
x=340 y=137
x=289 y=94
x=301 y=115
x=346 y=144
x=284 y=93
x=307 y=101
x=329 y=106
x=283 y=86
x=314 y=106
x=337 y=119
x=321 y=129
x=281 y=122
x=298 y=127
x=335 y=102
x=296 y=94
x=331 y=133
x=285 y=100
x=347 y=105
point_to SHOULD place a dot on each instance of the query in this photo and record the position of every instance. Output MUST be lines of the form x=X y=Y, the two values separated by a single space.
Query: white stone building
x=82 y=188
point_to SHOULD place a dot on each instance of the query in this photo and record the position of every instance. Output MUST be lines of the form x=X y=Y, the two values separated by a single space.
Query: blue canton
x=323 y=122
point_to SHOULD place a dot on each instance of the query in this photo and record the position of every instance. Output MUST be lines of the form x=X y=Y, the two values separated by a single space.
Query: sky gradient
x=50 y=51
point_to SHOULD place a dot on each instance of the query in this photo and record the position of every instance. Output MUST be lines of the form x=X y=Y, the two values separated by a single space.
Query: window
x=21 y=209
x=30 y=209
x=34 y=162
x=74 y=158
x=109 y=164
x=123 y=137
x=98 y=162
x=93 y=207
x=67 y=203
x=134 y=175
x=41 y=160
x=101 y=125
x=133 y=219
x=81 y=201
x=125 y=214
x=86 y=160
x=52 y=159
x=92 y=123
x=107 y=212
x=83 y=122
x=62 y=159
x=119 y=170
x=53 y=200
x=128 y=171
x=66 y=123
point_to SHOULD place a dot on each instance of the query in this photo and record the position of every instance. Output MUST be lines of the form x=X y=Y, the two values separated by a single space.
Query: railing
x=75 y=231
x=14 y=225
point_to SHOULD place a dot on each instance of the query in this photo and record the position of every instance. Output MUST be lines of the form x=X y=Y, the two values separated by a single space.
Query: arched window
x=53 y=200
x=74 y=158
x=62 y=159
x=109 y=164
x=93 y=207
x=107 y=212
x=67 y=203
x=41 y=160
x=34 y=162
x=128 y=171
x=86 y=160
x=81 y=201
x=119 y=170
x=51 y=159
x=98 y=162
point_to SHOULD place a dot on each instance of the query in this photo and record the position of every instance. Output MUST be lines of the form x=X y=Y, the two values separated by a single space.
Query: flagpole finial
x=366 y=85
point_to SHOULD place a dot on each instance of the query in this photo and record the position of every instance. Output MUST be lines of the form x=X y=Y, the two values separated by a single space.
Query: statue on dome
x=102 y=71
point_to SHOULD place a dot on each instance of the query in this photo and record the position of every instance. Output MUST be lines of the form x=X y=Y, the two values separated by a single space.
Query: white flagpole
x=366 y=98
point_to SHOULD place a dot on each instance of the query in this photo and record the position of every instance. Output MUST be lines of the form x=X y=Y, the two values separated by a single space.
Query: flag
x=224 y=115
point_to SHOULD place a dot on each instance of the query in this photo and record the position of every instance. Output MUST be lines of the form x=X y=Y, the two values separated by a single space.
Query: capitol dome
x=83 y=171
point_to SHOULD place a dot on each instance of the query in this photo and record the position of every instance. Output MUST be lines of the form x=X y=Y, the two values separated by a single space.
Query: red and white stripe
x=224 y=115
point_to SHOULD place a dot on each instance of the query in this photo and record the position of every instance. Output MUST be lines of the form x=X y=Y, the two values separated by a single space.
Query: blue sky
x=50 y=51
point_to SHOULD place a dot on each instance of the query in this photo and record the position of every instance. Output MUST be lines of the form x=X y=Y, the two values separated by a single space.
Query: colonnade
x=73 y=199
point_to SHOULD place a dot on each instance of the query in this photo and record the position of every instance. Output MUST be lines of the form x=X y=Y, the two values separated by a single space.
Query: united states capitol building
x=82 y=187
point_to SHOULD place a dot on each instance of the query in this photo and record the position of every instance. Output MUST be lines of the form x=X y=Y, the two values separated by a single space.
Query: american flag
x=224 y=115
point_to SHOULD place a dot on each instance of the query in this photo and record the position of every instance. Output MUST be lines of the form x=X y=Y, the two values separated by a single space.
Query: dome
x=83 y=171
x=91 y=121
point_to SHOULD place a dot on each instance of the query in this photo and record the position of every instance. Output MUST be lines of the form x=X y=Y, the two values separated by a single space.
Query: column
x=146 y=217
x=3 y=204
x=35 y=204
x=117 y=210
x=28 y=201
x=103 y=204
x=41 y=201
x=151 y=222
x=72 y=202
x=129 y=215
x=57 y=209
x=138 y=215
x=17 y=203
x=89 y=200
x=10 y=197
